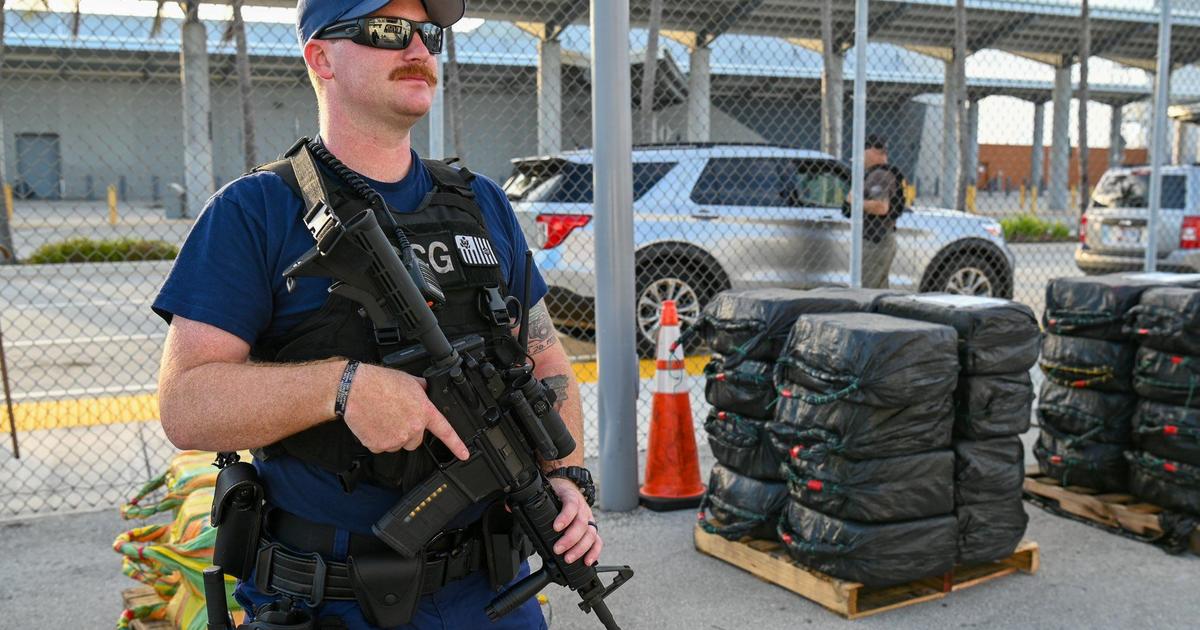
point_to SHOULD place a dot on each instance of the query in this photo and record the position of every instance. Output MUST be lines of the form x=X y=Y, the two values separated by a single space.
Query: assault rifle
x=502 y=413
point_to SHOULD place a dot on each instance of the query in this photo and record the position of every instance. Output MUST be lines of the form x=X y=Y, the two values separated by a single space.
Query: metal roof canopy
x=1043 y=31
x=160 y=65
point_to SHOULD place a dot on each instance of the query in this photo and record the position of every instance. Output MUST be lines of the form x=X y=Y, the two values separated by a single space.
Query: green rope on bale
x=1067 y=321
x=1176 y=472
x=749 y=519
x=1152 y=321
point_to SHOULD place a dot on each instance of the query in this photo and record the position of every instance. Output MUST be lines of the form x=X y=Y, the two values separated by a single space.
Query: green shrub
x=80 y=250
x=1027 y=227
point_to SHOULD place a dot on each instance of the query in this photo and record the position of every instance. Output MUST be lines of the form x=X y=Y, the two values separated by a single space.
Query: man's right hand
x=388 y=410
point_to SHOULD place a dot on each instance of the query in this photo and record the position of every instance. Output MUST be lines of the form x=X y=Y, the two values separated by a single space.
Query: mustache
x=414 y=71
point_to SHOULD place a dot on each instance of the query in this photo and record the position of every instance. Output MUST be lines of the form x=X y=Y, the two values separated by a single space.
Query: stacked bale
x=1087 y=404
x=1165 y=467
x=998 y=343
x=746 y=331
x=864 y=419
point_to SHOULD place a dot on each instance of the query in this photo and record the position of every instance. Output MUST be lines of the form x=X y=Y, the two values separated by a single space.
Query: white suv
x=709 y=217
x=1113 y=234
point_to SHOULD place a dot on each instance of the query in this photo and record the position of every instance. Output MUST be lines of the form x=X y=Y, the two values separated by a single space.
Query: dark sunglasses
x=391 y=33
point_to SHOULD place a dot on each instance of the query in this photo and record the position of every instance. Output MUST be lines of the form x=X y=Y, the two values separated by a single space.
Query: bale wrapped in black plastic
x=1167 y=319
x=736 y=505
x=745 y=388
x=741 y=443
x=754 y=323
x=1096 y=306
x=996 y=405
x=884 y=490
x=988 y=470
x=868 y=358
x=1085 y=363
x=1075 y=462
x=862 y=431
x=1098 y=416
x=1165 y=483
x=990 y=531
x=1167 y=377
x=875 y=554
x=1168 y=431
x=995 y=336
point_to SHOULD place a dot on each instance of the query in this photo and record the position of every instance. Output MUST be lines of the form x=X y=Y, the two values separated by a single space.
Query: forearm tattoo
x=558 y=383
x=541 y=330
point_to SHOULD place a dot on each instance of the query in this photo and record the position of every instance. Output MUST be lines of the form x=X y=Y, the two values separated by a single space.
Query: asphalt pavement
x=60 y=572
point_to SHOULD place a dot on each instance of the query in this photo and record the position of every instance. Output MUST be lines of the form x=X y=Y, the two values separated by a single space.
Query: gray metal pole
x=612 y=128
x=1158 y=134
x=860 y=137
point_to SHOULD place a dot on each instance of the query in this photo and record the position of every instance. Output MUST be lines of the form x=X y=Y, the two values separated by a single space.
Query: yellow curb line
x=87 y=412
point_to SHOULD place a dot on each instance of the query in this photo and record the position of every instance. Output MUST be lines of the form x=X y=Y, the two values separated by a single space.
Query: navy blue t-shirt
x=229 y=274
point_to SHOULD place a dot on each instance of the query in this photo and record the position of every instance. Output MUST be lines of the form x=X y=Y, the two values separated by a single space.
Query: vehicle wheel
x=688 y=284
x=970 y=274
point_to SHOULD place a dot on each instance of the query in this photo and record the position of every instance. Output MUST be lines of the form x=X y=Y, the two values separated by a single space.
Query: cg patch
x=475 y=251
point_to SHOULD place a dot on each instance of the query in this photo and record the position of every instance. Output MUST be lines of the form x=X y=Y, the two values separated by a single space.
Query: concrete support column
x=198 y=177
x=1183 y=146
x=1060 y=140
x=949 y=178
x=972 y=157
x=1036 y=166
x=437 y=116
x=699 y=101
x=1116 y=144
x=833 y=100
x=1187 y=143
x=549 y=97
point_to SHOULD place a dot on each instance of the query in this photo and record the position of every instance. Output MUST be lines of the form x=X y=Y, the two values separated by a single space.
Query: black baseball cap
x=314 y=15
x=876 y=141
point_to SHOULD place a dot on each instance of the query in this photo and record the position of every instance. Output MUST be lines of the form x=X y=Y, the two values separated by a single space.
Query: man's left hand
x=579 y=537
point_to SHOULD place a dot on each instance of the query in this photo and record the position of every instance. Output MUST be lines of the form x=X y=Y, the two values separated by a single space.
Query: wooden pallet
x=140 y=596
x=1114 y=511
x=770 y=561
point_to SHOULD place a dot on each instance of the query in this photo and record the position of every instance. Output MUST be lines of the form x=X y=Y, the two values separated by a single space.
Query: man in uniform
x=251 y=363
x=883 y=203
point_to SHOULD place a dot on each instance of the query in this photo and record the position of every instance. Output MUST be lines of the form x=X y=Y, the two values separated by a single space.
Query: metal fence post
x=1158 y=134
x=613 y=176
x=860 y=138
x=8 y=404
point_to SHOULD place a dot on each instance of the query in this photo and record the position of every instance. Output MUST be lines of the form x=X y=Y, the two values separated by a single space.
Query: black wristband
x=343 y=393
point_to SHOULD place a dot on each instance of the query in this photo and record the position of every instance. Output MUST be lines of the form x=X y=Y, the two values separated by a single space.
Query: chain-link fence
x=116 y=128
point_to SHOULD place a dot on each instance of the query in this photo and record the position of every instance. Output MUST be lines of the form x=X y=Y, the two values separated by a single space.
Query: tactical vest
x=448 y=229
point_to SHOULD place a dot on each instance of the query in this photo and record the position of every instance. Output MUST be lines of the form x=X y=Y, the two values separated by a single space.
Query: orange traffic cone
x=672 y=466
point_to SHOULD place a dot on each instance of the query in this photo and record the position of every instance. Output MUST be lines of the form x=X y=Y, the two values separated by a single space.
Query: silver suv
x=1112 y=233
x=708 y=217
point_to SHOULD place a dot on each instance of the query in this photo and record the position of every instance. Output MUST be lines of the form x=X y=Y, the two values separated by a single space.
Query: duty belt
x=310 y=576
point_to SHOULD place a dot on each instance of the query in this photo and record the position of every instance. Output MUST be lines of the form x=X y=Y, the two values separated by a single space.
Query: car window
x=560 y=181
x=1131 y=189
x=819 y=184
x=745 y=182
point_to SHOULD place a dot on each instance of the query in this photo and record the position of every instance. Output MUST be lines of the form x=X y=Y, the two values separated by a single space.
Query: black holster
x=388 y=587
x=237 y=514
